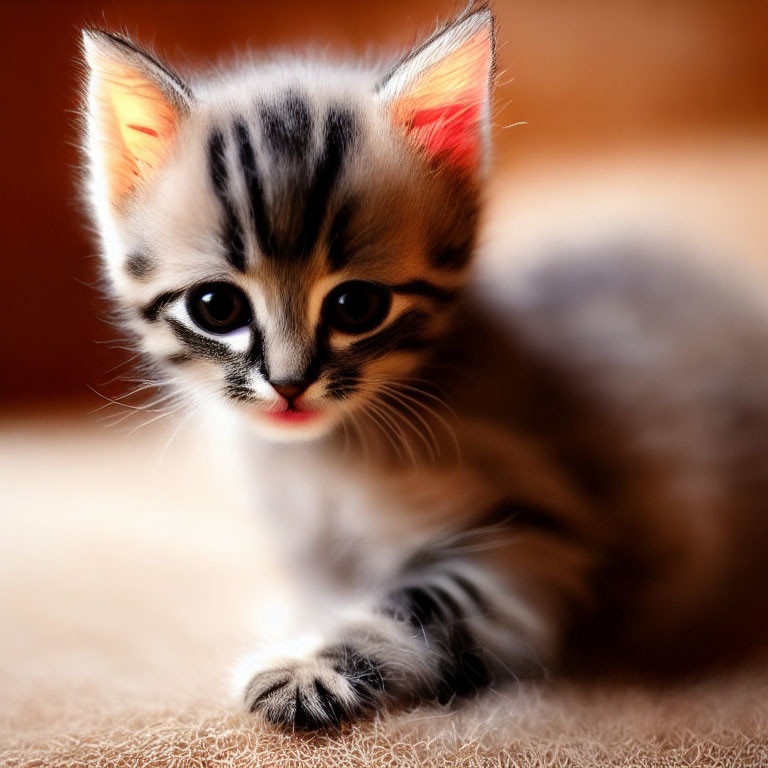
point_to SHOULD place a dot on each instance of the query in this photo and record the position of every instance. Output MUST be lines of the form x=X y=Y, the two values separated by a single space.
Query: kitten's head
x=289 y=238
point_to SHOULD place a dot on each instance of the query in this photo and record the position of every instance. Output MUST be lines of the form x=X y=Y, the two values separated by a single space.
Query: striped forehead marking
x=233 y=231
x=289 y=183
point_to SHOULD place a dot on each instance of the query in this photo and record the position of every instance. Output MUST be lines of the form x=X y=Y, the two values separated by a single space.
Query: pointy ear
x=439 y=95
x=135 y=105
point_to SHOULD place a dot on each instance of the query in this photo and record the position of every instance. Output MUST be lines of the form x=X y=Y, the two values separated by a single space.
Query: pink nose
x=289 y=389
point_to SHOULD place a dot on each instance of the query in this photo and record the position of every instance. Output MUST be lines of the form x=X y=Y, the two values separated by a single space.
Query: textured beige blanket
x=720 y=723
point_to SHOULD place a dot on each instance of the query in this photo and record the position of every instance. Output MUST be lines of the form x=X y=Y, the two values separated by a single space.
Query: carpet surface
x=718 y=723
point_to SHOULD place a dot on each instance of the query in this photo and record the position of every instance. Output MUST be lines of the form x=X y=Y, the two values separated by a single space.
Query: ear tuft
x=439 y=95
x=135 y=104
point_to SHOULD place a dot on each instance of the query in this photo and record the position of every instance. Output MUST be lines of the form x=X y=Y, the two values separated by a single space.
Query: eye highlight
x=356 y=306
x=219 y=307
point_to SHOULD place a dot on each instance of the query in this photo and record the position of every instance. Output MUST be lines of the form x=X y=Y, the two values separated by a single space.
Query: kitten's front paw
x=334 y=686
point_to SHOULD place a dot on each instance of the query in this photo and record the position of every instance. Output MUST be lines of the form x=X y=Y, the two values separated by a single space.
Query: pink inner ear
x=449 y=132
x=135 y=123
x=442 y=110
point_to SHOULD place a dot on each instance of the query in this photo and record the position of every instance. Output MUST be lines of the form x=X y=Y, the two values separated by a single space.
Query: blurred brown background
x=589 y=77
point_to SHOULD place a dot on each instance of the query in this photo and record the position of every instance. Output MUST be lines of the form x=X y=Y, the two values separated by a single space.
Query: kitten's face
x=284 y=240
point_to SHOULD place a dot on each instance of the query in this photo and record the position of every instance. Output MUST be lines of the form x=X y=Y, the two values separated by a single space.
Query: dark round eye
x=219 y=307
x=356 y=306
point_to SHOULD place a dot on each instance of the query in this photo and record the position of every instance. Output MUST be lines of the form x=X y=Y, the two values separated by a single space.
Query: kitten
x=470 y=482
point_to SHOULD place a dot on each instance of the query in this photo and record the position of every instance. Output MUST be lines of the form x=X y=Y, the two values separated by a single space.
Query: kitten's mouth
x=291 y=421
x=292 y=415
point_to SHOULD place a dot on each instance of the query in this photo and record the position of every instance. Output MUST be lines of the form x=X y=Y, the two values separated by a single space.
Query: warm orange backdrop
x=586 y=75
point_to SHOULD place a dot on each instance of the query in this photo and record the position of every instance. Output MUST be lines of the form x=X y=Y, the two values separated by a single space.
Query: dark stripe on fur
x=330 y=705
x=200 y=346
x=256 y=356
x=138 y=265
x=466 y=670
x=179 y=359
x=452 y=256
x=302 y=718
x=407 y=332
x=317 y=356
x=523 y=515
x=237 y=386
x=362 y=672
x=340 y=250
x=287 y=128
x=340 y=132
x=447 y=600
x=427 y=290
x=342 y=384
x=472 y=591
x=152 y=311
x=253 y=706
x=255 y=187
x=423 y=606
x=441 y=620
x=233 y=232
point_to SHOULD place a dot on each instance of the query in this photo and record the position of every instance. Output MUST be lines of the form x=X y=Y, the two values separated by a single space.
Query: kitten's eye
x=356 y=306
x=219 y=307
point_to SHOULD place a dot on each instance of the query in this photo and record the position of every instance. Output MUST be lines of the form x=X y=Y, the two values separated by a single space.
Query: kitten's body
x=621 y=427
x=467 y=482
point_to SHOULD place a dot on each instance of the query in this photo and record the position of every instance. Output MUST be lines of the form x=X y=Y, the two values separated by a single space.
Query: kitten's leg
x=450 y=626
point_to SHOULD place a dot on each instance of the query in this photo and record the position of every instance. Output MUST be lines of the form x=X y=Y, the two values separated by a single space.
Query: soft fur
x=488 y=474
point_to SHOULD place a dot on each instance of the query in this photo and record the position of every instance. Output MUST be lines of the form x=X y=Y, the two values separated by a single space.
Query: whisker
x=398 y=419
x=169 y=442
x=394 y=385
x=386 y=418
x=118 y=402
x=431 y=442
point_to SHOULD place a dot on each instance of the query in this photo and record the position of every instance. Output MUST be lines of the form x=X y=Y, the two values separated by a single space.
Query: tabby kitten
x=469 y=481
